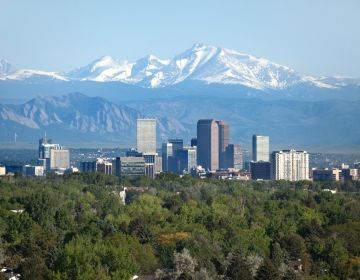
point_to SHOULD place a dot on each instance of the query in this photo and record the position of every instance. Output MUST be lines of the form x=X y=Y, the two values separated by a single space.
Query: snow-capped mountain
x=103 y=69
x=204 y=63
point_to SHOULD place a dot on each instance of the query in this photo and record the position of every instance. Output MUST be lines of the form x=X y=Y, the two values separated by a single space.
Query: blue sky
x=312 y=36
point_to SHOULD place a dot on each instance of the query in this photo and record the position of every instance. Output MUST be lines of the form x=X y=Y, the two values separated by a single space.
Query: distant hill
x=78 y=119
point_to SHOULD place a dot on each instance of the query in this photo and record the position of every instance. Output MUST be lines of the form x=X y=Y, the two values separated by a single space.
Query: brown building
x=224 y=140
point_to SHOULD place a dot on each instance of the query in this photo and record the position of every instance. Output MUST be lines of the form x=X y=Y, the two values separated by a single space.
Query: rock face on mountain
x=76 y=119
x=76 y=115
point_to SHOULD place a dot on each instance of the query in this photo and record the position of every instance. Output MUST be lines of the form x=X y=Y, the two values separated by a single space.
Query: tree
x=276 y=254
x=238 y=269
x=267 y=271
x=184 y=265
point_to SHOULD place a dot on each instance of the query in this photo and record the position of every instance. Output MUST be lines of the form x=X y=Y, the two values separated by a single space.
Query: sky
x=317 y=37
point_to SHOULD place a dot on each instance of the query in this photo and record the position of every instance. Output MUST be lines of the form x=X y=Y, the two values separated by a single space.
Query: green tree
x=238 y=269
x=267 y=271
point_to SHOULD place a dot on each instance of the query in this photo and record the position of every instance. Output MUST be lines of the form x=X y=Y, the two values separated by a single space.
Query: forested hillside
x=76 y=227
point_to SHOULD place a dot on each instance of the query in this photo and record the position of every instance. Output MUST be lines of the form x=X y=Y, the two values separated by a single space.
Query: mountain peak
x=202 y=62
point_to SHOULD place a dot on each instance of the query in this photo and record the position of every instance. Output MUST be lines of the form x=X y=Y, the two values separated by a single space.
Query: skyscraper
x=146 y=135
x=208 y=144
x=166 y=153
x=290 y=165
x=234 y=156
x=224 y=139
x=187 y=159
x=260 y=148
x=53 y=156
x=174 y=160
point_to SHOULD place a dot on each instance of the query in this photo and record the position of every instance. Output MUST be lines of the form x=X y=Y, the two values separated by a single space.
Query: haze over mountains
x=253 y=94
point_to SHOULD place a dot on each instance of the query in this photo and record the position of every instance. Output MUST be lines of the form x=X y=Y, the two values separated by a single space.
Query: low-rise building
x=33 y=171
x=131 y=166
x=326 y=174
x=260 y=170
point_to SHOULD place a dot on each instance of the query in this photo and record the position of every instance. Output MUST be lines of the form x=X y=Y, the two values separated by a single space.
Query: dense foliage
x=76 y=227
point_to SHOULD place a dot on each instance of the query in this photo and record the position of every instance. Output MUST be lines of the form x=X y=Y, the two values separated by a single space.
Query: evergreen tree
x=267 y=271
x=238 y=269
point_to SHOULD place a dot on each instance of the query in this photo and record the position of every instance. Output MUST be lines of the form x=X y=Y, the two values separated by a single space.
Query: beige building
x=146 y=135
x=2 y=170
x=290 y=165
x=59 y=159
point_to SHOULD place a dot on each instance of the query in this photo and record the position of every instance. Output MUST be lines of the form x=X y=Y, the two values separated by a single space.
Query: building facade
x=166 y=153
x=208 y=144
x=290 y=165
x=260 y=148
x=59 y=159
x=131 y=166
x=188 y=159
x=146 y=135
x=234 y=156
x=326 y=174
x=260 y=170
x=33 y=171
x=224 y=140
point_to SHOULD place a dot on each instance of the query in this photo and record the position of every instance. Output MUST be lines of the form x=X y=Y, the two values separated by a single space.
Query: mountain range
x=208 y=64
x=76 y=120
x=98 y=103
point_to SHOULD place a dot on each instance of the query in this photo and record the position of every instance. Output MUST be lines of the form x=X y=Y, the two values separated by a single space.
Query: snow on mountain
x=209 y=64
x=204 y=63
x=144 y=70
x=103 y=70
x=24 y=74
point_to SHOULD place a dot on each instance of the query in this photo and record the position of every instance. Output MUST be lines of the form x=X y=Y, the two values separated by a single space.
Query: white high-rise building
x=146 y=135
x=59 y=159
x=260 y=148
x=290 y=165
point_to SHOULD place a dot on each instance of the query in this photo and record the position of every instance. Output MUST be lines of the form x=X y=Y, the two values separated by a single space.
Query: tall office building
x=166 y=153
x=146 y=135
x=208 y=144
x=224 y=139
x=290 y=165
x=42 y=150
x=177 y=144
x=187 y=158
x=174 y=160
x=234 y=156
x=260 y=148
x=53 y=156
